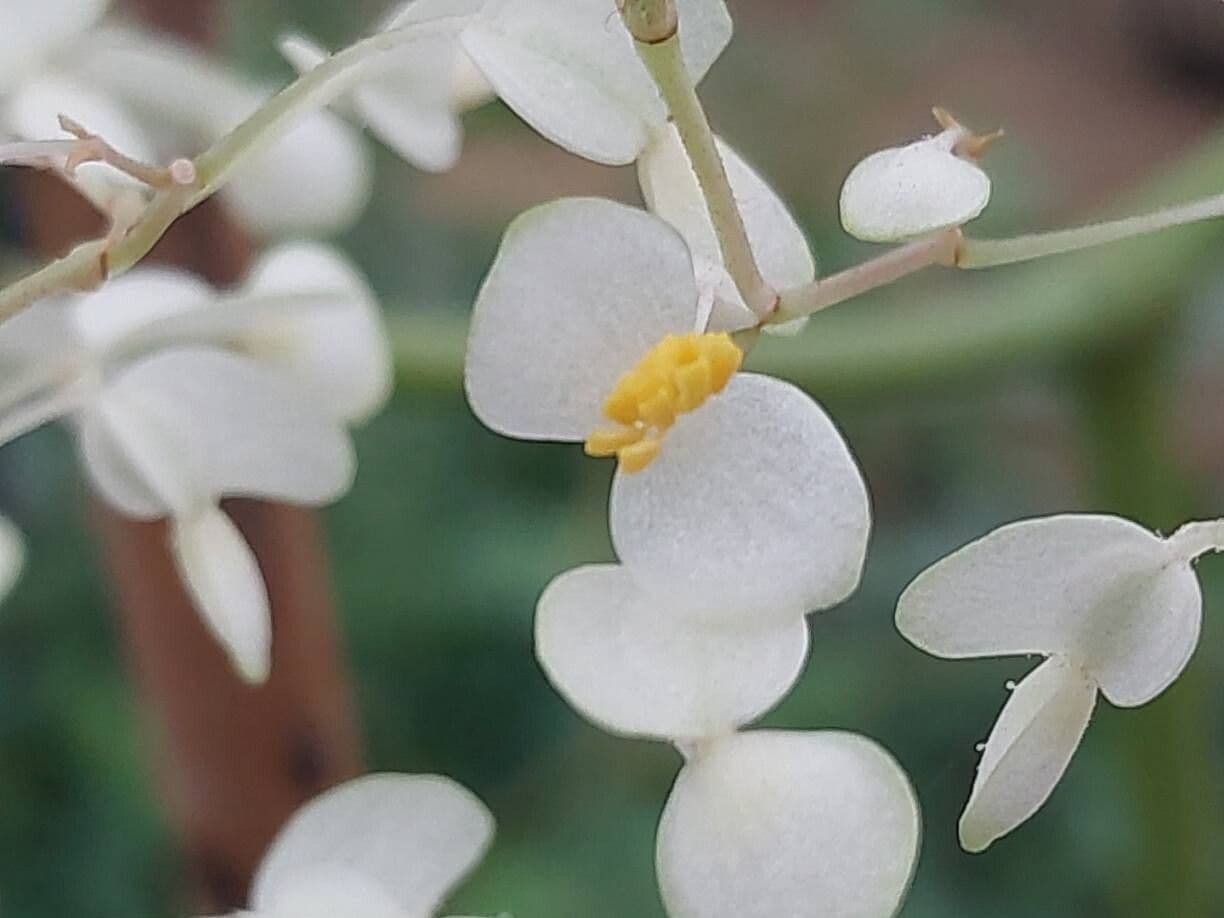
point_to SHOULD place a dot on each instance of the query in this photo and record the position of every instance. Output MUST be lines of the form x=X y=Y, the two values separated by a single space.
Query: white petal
x=413 y=836
x=569 y=69
x=671 y=191
x=571 y=73
x=1029 y=749
x=303 y=53
x=1058 y=584
x=32 y=30
x=468 y=88
x=580 y=291
x=630 y=664
x=429 y=137
x=910 y=191
x=185 y=426
x=314 y=180
x=1146 y=633
x=313 y=316
x=754 y=506
x=767 y=824
x=128 y=304
x=330 y=893
x=12 y=556
x=224 y=581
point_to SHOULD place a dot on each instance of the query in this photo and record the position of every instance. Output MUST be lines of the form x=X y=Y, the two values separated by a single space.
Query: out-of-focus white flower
x=927 y=186
x=382 y=846
x=412 y=101
x=181 y=397
x=315 y=178
x=570 y=70
x=1113 y=607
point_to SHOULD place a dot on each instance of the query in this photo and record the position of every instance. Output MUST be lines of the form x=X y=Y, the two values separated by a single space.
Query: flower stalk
x=665 y=62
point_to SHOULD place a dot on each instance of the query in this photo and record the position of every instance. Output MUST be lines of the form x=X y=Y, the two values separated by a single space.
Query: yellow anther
x=659 y=411
x=636 y=457
x=676 y=376
x=610 y=442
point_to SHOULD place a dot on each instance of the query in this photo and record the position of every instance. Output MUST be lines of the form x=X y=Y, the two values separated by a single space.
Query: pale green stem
x=91 y=263
x=987 y=253
x=878 y=272
x=665 y=62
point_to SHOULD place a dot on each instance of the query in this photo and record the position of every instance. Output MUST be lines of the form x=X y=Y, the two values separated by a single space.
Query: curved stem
x=1196 y=539
x=91 y=263
x=665 y=62
x=988 y=253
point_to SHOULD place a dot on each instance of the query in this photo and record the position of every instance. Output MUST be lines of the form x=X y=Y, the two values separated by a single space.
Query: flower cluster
x=180 y=395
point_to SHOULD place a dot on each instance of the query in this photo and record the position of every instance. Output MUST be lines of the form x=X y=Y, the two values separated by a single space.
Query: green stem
x=91 y=263
x=1167 y=747
x=987 y=253
x=665 y=62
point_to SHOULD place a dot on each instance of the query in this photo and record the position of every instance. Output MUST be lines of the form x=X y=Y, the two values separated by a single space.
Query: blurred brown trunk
x=234 y=761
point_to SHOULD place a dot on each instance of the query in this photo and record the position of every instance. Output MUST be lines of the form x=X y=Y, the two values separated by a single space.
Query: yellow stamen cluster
x=676 y=376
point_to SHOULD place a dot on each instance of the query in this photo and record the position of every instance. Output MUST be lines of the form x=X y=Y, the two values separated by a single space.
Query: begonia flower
x=1114 y=609
x=181 y=397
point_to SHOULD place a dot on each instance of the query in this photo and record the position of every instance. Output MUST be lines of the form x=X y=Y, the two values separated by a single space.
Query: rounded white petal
x=754 y=506
x=580 y=291
x=1146 y=631
x=671 y=191
x=1101 y=589
x=414 y=837
x=633 y=666
x=468 y=87
x=313 y=316
x=767 y=824
x=569 y=70
x=185 y=426
x=12 y=556
x=1029 y=749
x=314 y=180
x=223 y=579
x=32 y=30
x=129 y=304
x=910 y=191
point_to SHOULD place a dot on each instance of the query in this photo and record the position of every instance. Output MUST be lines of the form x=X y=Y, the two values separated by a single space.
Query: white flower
x=412 y=101
x=570 y=70
x=927 y=186
x=181 y=398
x=1115 y=609
x=382 y=846
x=807 y=825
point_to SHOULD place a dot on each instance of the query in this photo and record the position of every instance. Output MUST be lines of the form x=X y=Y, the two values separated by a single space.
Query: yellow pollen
x=677 y=375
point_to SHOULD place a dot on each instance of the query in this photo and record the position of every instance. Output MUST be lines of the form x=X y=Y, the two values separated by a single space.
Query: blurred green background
x=1085 y=383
